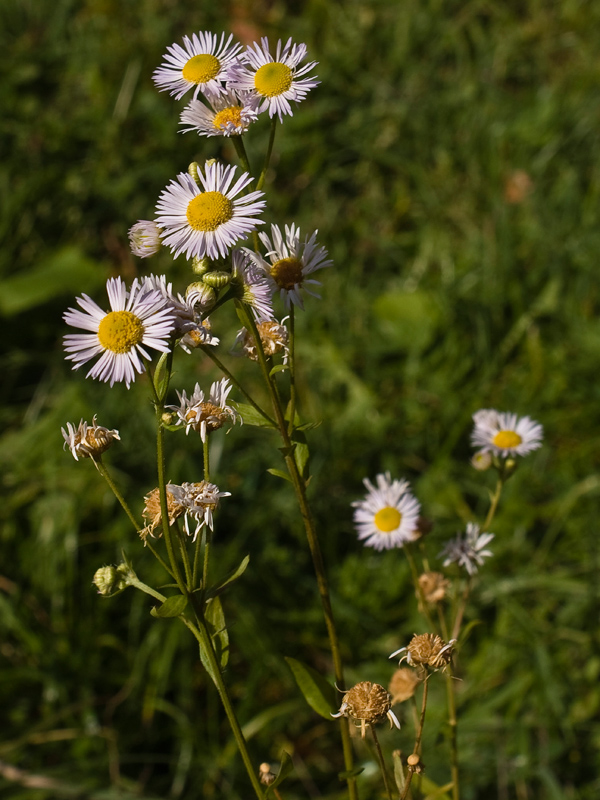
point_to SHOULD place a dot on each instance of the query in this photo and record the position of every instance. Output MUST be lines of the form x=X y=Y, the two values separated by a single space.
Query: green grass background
x=445 y=297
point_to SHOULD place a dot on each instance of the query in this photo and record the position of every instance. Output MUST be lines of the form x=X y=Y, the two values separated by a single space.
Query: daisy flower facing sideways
x=138 y=319
x=505 y=434
x=290 y=263
x=230 y=114
x=205 y=415
x=468 y=552
x=388 y=515
x=277 y=80
x=201 y=64
x=207 y=221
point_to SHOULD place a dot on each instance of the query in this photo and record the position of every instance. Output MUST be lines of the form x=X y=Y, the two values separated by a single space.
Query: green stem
x=313 y=542
x=147 y=589
x=263 y=174
x=292 y=370
x=240 y=149
x=418 y=588
x=417 y=748
x=381 y=761
x=207 y=537
x=236 y=383
x=184 y=557
x=197 y=549
x=105 y=474
x=206 y=459
x=453 y=723
x=493 y=504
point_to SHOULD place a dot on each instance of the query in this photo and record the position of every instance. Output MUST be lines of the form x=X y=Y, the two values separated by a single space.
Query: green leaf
x=279 y=368
x=251 y=416
x=399 y=776
x=285 y=768
x=231 y=577
x=215 y=620
x=161 y=376
x=172 y=607
x=433 y=791
x=318 y=693
x=301 y=456
x=280 y=474
x=353 y=773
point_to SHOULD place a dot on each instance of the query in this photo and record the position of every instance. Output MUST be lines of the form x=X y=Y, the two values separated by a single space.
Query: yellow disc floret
x=120 y=331
x=273 y=79
x=202 y=68
x=209 y=210
x=388 y=519
x=232 y=114
x=287 y=272
x=506 y=440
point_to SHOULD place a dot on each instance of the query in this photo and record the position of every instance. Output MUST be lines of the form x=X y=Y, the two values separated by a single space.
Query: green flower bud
x=217 y=279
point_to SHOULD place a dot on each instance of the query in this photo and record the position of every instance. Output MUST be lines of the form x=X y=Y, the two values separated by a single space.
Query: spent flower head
x=369 y=703
x=199 y=501
x=274 y=338
x=207 y=219
x=205 y=415
x=140 y=318
x=427 y=650
x=88 y=441
x=388 y=515
x=153 y=514
x=275 y=80
x=468 y=551
x=403 y=684
x=202 y=64
x=505 y=434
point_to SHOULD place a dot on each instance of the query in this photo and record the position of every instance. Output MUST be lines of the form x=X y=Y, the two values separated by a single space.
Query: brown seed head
x=368 y=701
x=434 y=586
x=265 y=775
x=429 y=650
x=273 y=336
x=152 y=511
x=403 y=684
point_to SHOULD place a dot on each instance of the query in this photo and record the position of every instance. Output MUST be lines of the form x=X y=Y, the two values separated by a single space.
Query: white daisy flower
x=290 y=263
x=200 y=501
x=505 y=434
x=88 y=441
x=138 y=319
x=144 y=238
x=202 y=63
x=277 y=80
x=205 y=416
x=468 y=552
x=230 y=114
x=388 y=515
x=207 y=221
x=250 y=285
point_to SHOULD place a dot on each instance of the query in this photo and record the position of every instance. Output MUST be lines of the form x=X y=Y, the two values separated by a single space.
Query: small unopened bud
x=144 y=238
x=209 y=162
x=193 y=171
x=201 y=295
x=510 y=466
x=109 y=580
x=168 y=418
x=200 y=265
x=481 y=461
x=415 y=764
x=217 y=279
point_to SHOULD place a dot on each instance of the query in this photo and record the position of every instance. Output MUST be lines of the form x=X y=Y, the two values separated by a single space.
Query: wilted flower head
x=369 y=703
x=199 y=500
x=152 y=510
x=274 y=338
x=88 y=441
x=388 y=515
x=468 y=551
x=505 y=434
x=144 y=238
x=403 y=684
x=205 y=416
x=434 y=586
x=427 y=650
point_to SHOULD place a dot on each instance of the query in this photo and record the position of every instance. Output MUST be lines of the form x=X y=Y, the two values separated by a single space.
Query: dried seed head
x=88 y=441
x=429 y=650
x=434 y=587
x=274 y=338
x=369 y=703
x=403 y=684
x=152 y=511
x=265 y=775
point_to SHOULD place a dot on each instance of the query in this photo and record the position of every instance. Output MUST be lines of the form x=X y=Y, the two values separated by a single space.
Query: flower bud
x=481 y=461
x=109 y=581
x=200 y=265
x=201 y=295
x=193 y=171
x=217 y=279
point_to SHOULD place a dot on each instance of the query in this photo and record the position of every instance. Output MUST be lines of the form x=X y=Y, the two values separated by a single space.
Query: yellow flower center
x=388 y=519
x=273 y=79
x=120 y=331
x=209 y=210
x=507 y=439
x=202 y=68
x=232 y=114
x=287 y=272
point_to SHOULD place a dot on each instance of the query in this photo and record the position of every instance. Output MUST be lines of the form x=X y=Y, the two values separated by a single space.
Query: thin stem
x=106 y=475
x=147 y=589
x=206 y=459
x=236 y=383
x=206 y=536
x=453 y=723
x=461 y=609
x=494 y=504
x=418 y=588
x=292 y=370
x=197 y=549
x=263 y=174
x=417 y=748
x=240 y=149
x=313 y=542
x=381 y=761
x=184 y=557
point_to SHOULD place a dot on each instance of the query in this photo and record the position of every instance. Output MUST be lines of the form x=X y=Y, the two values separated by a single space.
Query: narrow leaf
x=398 y=771
x=233 y=576
x=280 y=474
x=432 y=791
x=285 y=768
x=172 y=607
x=251 y=416
x=161 y=376
x=279 y=368
x=353 y=773
x=318 y=693
x=215 y=620
x=301 y=456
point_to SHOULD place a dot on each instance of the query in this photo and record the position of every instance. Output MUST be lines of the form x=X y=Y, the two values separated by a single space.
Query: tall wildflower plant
x=210 y=213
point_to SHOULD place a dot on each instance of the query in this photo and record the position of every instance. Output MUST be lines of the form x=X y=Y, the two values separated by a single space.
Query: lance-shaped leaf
x=231 y=577
x=319 y=693
x=161 y=376
x=172 y=607
x=215 y=621
x=285 y=768
x=251 y=416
